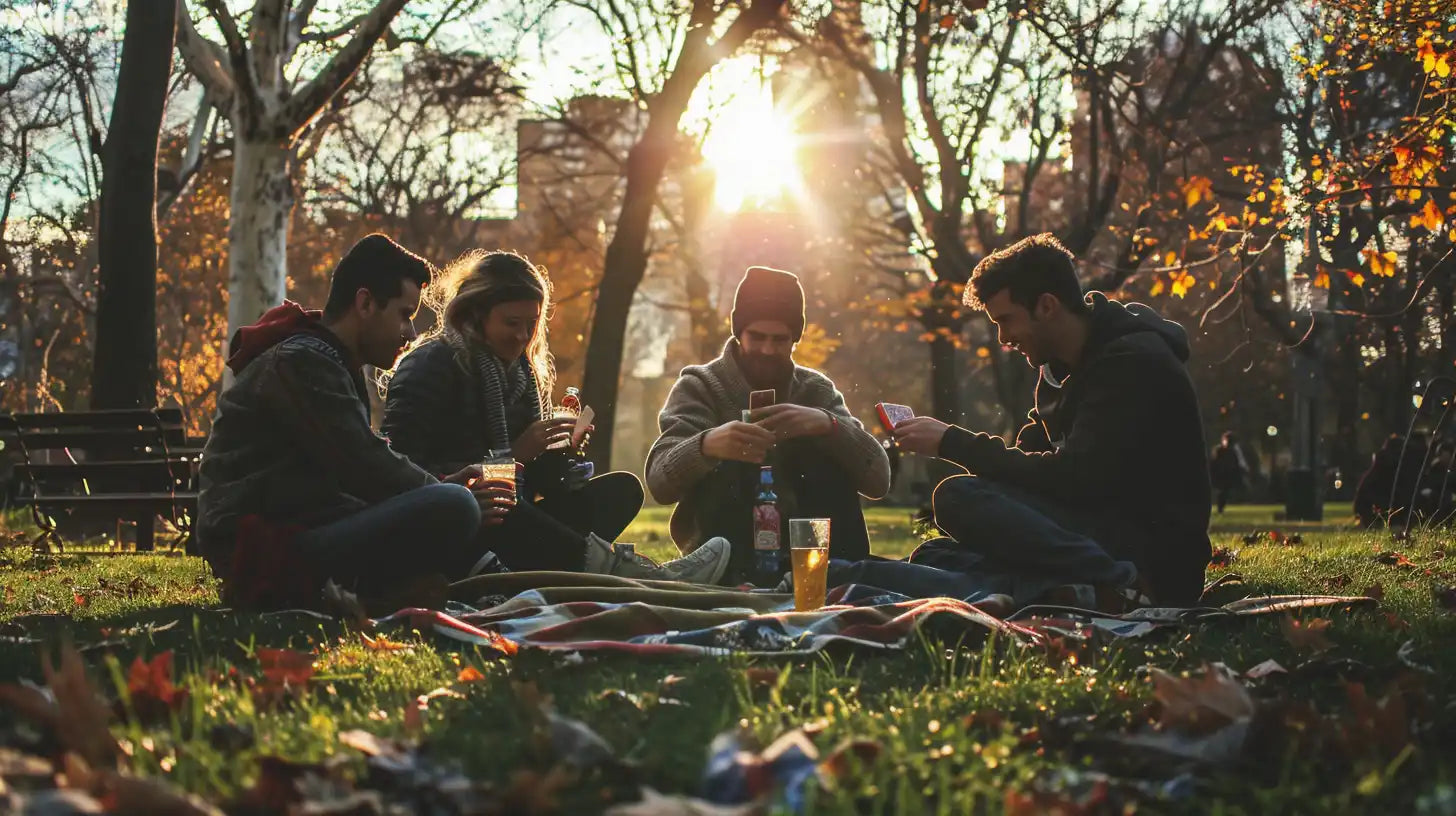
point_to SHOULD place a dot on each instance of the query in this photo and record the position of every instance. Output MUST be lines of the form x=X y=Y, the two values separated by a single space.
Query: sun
x=752 y=148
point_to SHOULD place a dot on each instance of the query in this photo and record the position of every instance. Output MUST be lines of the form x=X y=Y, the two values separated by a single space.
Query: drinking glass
x=809 y=547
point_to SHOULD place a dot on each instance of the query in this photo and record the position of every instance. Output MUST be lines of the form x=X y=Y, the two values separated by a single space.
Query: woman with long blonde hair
x=478 y=386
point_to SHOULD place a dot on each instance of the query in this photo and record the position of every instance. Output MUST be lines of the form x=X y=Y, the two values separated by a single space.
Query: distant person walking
x=1229 y=469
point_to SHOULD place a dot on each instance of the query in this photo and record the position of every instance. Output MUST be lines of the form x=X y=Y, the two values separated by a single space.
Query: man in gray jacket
x=707 y=459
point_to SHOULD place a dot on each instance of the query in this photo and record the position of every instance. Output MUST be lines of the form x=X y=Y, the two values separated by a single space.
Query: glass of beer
x=809 y=546
x=500 y=470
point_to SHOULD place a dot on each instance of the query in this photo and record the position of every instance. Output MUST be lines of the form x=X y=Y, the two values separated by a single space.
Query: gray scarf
x=498 y=385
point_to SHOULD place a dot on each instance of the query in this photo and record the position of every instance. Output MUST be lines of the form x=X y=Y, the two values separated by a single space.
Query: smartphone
x=892 y=414
x=762 y=399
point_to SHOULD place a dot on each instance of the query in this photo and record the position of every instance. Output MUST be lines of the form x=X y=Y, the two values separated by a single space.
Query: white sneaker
x=705 y=565
x=488 y=564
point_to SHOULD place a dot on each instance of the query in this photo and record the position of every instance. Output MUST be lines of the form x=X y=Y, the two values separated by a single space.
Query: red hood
x=276 y=325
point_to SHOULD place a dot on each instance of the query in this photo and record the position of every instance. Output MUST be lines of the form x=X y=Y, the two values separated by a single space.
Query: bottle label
x=766 y=528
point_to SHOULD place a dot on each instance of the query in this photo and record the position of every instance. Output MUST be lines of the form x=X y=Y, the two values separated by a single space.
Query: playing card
x=583 y=421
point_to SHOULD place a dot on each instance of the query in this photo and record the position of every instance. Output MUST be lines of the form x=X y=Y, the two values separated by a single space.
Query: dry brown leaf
x=850 y=756
x=1307 y=635
x=73 y=710
x=1200 y=705
x=129 y=796
x=531 y=793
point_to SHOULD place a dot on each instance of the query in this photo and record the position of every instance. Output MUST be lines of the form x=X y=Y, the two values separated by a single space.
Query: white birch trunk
x=262 y=200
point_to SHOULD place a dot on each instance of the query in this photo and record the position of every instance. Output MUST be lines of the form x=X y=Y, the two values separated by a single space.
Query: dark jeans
x=551 y=534
x=1016 y=542
x=428 y=530
x=922 y=581
x=807 y=486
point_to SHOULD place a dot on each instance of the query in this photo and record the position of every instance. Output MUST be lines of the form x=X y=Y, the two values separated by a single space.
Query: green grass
x=958 y=728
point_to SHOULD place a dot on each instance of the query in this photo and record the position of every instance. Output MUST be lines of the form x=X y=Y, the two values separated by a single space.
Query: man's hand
x=539 y=436
x=921 y=435
x=496 y=499
x=786 y=421
x=738 y=442
x=464 y=476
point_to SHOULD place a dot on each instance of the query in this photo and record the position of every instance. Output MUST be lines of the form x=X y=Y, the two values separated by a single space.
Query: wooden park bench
x=127 y=465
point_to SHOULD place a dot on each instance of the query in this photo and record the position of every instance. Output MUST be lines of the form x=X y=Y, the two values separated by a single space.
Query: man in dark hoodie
x=1107 y=486
x=296 y=487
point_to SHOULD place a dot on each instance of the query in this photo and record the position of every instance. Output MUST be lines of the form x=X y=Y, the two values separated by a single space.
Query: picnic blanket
x=575 y=612
x=608 y=614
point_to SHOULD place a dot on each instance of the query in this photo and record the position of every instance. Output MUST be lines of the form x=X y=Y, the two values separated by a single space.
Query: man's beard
x=765 y=370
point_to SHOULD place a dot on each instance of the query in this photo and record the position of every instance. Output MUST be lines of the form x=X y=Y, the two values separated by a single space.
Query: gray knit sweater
x=706 y=396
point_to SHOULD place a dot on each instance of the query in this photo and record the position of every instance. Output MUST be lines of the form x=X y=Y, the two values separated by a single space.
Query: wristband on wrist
x=833 y=420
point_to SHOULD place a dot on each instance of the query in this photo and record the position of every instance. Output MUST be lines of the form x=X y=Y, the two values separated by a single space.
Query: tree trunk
x=625 y=263
x=124 y=373
x=945 y=387
x=262 y=201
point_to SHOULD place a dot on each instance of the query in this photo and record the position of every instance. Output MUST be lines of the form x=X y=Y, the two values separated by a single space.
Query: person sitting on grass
x=707 y=459
x=296 y=488
x=1107 y=486
x=478 y=386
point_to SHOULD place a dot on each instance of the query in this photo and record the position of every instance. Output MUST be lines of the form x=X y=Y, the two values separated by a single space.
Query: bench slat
x=181 y=497
x=85 y=438
x=124 y=418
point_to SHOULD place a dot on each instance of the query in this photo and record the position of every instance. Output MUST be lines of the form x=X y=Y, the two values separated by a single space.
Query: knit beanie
x=769 y=294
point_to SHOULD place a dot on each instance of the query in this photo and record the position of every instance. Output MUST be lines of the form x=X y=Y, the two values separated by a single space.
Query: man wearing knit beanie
x=707 y=459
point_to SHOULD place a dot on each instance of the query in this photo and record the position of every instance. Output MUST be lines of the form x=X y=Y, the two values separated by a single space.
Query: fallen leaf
x=82 y=717
x=1375 y=591
x=129 y=796
x=656 y=804
x=850 y=756
x=149 y=685
x=1265 y=669
x=1203 y=704
x=1055 y=803
x=348 y=604
x=286 y=666
x=1393 y=558
x=532 y=793
x=384 y=644
x=1223 y=557
x=1446 y=598
x=1307 y=635
x=1382 y=725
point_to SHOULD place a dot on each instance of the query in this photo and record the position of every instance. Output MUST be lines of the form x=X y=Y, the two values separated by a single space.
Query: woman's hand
x=496 y=500
x=540 y=435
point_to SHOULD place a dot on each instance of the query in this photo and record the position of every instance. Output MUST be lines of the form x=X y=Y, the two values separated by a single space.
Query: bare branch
x=304 y=105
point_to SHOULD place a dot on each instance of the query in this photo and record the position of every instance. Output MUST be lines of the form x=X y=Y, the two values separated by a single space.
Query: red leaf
x=149 y=684
x=1307 y=636
x=286 y=666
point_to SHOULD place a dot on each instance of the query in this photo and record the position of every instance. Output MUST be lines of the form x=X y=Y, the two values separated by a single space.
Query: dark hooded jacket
x=291 y=441
x=1121 y=440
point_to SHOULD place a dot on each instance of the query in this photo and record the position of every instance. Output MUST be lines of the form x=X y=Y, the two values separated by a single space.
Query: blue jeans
x=997 y=529
x=1001 y=540
x=428 y=530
